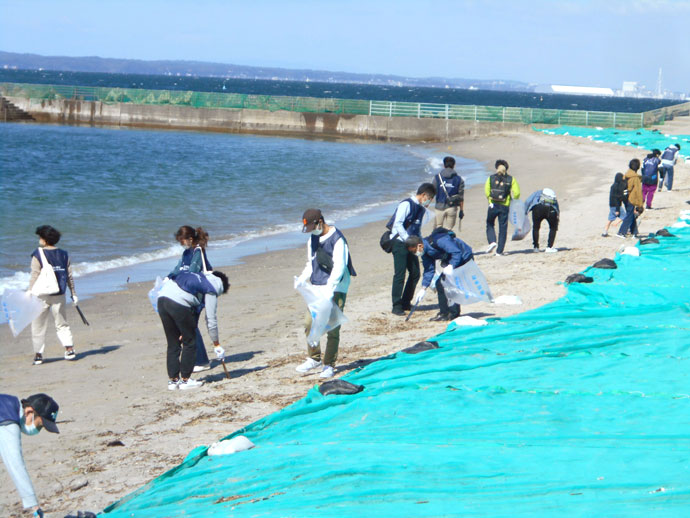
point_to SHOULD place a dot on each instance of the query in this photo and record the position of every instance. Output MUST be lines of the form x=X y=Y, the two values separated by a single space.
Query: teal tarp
x=577 y=408
x=640 y=138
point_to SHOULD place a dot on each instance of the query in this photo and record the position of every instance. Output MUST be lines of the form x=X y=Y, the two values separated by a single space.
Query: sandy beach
x=120 y=425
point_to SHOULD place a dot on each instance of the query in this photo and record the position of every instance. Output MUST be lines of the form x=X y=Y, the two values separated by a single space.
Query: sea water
x=118 y=195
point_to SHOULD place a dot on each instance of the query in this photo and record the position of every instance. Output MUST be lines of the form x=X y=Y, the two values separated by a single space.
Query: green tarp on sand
x=577 y=408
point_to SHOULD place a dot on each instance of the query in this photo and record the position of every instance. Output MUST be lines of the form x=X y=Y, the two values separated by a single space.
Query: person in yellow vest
x=500 y=188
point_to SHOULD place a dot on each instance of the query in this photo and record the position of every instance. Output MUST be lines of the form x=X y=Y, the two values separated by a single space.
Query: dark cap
x=310 y=219
x=46 y=407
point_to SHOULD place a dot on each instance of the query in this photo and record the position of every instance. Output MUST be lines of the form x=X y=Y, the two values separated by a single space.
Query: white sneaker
x=327 y=372
x=70 y=355
x=535 y=250
x=189 y=384
x=200 y=368
x=309 y=364
x=491 y=247
x=550 y=250
x=172 y=384
x=499 y=255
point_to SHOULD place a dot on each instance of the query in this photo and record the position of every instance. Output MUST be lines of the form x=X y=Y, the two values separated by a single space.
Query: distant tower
x=658 y=85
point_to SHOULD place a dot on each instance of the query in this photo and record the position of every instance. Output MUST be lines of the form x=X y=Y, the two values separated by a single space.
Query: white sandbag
x=508 y=300
x=680 y=224
x=517 y=214
x=20 y=308
x=467 y=320
x=325 y=314
x=234 y=445
x=467 y=285
x=153 y=293
x=631 y=250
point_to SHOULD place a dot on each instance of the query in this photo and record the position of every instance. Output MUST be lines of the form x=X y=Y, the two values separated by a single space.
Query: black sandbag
x=339 y=387
x=421 y=347
x=605 y=264
x=81 y=514
x=664 y=233
x=649 y=241
x=578 y=277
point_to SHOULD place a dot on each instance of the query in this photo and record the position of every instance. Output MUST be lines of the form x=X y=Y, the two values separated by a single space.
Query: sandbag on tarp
x=649 y=241
x=578 y=277
x=467 y=285
x=338 y=387
x=605 y=264
x=421 y=347
x=325 y=314
x=664 y=233
x=20 y=308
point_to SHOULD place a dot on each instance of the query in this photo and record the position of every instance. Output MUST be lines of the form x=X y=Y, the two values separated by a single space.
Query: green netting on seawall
x=639 y=138
x=578 y=408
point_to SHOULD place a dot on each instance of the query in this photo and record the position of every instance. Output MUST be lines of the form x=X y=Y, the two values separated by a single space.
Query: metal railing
x=503 y=114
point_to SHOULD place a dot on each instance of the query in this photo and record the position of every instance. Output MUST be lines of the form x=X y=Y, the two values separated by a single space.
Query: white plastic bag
x=234 y=445
x=467 y=285
x=20 y=308
x=153 y=294
x=46 y=283
x=520 y=217
x=325 y=314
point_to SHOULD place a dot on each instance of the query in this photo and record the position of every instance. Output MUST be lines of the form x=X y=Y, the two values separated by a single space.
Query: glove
x=220 y=352
x=461 y=214
x=448 y=270
x=75 y=299
x=491 y=205
x=420 y=295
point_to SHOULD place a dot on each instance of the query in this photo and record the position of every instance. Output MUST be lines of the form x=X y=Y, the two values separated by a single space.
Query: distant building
x=574 y=90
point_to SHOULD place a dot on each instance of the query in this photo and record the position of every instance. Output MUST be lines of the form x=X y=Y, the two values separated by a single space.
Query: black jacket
x=619 y=191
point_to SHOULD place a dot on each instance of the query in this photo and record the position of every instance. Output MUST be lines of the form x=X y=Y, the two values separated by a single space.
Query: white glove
x=420 y=295
x=299 y=281
x=448 y=270
x=491 y=205
x=75 y=299
x=220 y=352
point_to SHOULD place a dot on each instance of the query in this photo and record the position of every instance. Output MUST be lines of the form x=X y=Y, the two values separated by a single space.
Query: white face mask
x=426 y=203
x=317 y=230
x=419 y=254
x=28 y=429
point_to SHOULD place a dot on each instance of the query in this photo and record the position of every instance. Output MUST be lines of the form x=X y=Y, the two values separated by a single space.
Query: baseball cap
x=310 y=219
x=46 y=407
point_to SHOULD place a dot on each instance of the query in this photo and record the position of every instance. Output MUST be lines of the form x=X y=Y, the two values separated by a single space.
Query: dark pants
x=501 y=212
x=178 y=320
x=540 y=213
x=404 y=261
x=453 y=311
x=201 y=356
x=630 y=221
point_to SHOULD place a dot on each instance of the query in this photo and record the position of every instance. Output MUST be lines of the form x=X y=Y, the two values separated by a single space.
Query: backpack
x=500 y=187
x=649 y=171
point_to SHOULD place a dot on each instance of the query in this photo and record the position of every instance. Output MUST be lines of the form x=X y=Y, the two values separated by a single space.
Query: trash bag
x=337 y=387
x=153 y=294
x=578 y=277
x=325 y=314
x=421 y=347
x=20 y=308
x=234 y=445
x=519 y=220
x=664 y=233
x=467 y=285
x=605 y=264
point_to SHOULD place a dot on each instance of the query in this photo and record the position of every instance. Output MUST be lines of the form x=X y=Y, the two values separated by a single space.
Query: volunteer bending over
x=452 y=252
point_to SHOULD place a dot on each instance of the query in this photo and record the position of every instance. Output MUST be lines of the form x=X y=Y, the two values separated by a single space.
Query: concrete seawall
x=299 y=124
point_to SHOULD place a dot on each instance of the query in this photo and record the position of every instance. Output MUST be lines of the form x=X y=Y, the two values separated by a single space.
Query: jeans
x=629 y=223
x=404 y=262
x=540 y=213
x=501 y=212
x=201 y=355
x=178 y=320
x=333 y=336
x=668 y=173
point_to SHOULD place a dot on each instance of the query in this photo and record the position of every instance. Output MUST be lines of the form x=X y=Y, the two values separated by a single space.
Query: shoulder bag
x=46 y=283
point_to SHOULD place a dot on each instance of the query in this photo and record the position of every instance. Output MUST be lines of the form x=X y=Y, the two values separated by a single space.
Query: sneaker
x=621 y=236
x=499 y=255
x=551 y=250
x=308 y=365
x=173 y=384
x=536 y=249
x=38 y=359
x=399 y=312
x=327 y=372
x=491 y=247
x=189 y=384
x=605 y=234
x=439 y=317
x=200 y=368
x=71 y=354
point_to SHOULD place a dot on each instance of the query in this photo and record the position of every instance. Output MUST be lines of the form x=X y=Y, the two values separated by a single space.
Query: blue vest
x=413 y=221
x=58 y=259
x=187 y=257
x=649 y=170
x=9 y=409
x=669 y=153
x=320 y=275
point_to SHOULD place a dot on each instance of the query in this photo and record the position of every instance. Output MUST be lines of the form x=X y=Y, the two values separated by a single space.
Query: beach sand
x=120 y=425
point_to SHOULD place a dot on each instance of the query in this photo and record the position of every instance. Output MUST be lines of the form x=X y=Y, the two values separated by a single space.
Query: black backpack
x=500 y=187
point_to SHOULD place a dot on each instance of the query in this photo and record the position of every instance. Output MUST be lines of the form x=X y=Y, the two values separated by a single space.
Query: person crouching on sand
x=180 y=301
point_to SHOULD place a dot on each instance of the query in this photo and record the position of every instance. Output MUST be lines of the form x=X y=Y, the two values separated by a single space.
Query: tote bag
x=47 y=283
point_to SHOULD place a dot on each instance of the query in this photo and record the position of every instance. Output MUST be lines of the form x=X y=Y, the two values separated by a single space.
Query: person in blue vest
x=452 y=252
x=450 y=196
x=650 y=176
x=54 y=304
x=668 y=159
x=28 y=416
x=407 y=221
x=180 y=300
x=329 y=267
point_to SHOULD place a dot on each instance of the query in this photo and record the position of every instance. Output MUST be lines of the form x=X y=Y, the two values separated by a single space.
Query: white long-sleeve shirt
x=11 y=452
x=339 y=279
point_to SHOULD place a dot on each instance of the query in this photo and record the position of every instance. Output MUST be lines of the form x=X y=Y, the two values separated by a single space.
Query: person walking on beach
x=405 y=222
x=452 y=252
x=47 y=255
x=450 y=196
x=27 y=416
x=668 y=161
x=329 y=267
x=635 y=201
x=500 y=188
x=650 y=176
x=194 y=260
x=618 y=197
x=180 y=300
x=544 y=206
